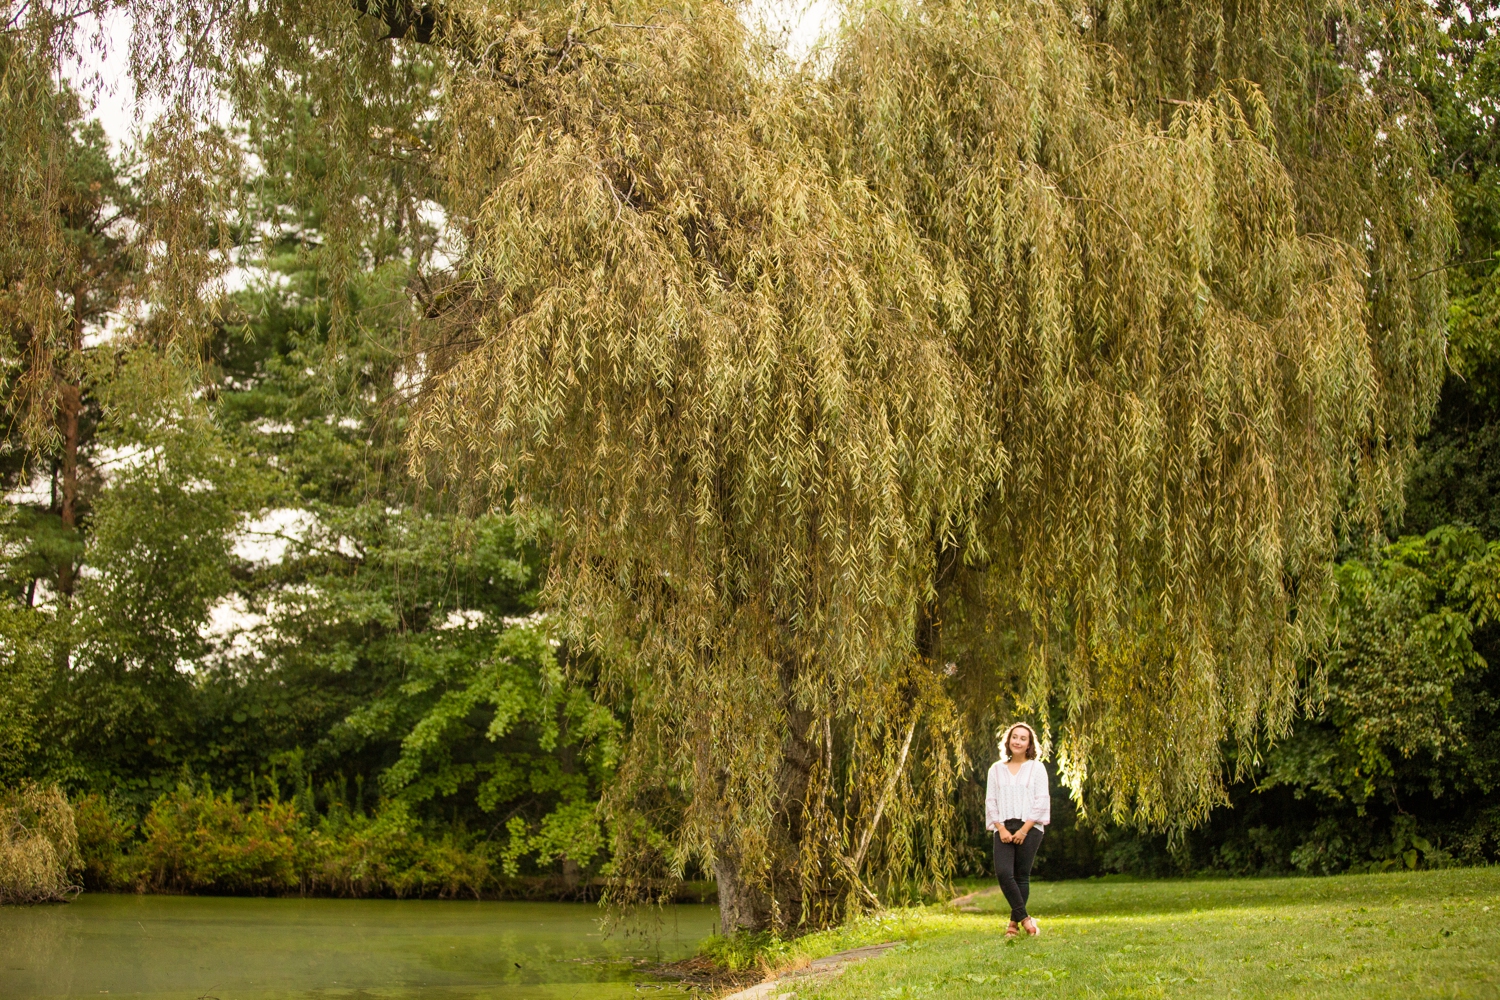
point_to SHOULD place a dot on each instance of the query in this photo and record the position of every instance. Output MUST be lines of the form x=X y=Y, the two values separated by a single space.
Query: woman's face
x=1019 y=742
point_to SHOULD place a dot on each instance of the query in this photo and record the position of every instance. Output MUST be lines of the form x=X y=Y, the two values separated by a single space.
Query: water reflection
x=186 y=948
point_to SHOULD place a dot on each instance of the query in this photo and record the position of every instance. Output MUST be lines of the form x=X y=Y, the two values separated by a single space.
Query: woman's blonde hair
x=1032 y=748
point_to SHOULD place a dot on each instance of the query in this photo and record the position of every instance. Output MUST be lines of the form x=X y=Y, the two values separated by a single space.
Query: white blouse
x=1021 y=796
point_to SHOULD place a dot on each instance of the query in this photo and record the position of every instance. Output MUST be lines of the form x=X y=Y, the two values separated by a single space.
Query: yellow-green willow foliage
x=38 y=845
x=774 y=346
x=1209 y=328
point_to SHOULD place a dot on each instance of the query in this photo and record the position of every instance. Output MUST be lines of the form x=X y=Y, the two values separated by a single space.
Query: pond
x=198 y=948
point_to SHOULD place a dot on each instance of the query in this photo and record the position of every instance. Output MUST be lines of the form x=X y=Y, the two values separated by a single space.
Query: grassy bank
x=1421 y=934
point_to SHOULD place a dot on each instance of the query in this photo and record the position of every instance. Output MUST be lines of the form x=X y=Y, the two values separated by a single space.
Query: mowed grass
x=1421 y=934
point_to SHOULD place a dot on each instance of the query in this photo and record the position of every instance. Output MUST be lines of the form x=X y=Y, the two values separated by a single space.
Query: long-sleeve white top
x=1021 y=796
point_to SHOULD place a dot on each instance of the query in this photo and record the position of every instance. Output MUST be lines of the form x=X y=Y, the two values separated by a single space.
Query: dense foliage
x=194 y=840
x=1395 y=764
x=252 y=593
x=1395 y=761
x=576 y=439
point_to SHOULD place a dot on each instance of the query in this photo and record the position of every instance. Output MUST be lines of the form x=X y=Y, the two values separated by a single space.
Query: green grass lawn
x=1424 y=934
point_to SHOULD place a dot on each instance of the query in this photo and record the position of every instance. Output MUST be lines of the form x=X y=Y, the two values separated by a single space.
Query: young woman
x=1018 y=808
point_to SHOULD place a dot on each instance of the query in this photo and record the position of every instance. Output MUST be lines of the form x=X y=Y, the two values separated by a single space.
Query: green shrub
x=743 y=950
x=196 y=841
x=357 y=855
x=38 y=845
x=104 y=845
x=201 y=842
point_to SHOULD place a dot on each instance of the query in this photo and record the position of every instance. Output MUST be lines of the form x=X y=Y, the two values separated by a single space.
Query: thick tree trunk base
x=740 y=907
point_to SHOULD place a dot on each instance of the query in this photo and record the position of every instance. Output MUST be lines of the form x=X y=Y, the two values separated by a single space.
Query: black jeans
x=1013 y=867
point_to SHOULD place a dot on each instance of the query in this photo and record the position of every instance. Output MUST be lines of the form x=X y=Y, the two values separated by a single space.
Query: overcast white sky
x=106 y=75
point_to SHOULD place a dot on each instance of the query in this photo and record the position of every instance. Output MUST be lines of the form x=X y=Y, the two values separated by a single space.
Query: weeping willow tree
x=1089 y=326
x=1096 y=323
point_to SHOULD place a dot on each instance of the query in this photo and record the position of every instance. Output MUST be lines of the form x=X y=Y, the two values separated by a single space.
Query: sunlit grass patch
x=1409 y=935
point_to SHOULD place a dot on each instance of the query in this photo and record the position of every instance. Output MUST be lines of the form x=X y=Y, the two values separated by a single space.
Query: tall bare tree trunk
x=71 y=405
x=567 y=759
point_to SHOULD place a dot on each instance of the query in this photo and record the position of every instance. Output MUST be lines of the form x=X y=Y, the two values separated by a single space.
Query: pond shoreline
x=535 y=889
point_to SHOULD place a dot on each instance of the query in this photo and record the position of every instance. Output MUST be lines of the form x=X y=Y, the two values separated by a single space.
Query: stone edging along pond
x=828 y=965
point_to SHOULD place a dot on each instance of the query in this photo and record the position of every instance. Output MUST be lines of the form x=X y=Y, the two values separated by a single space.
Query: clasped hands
x=1006 y=837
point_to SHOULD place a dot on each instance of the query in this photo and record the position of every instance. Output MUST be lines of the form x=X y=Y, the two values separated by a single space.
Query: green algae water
x=200 y=948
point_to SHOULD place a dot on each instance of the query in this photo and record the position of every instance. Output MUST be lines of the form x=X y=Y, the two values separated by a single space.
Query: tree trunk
x=748 y=906
x=71 y=404
x=572 y=874
x=740 y=907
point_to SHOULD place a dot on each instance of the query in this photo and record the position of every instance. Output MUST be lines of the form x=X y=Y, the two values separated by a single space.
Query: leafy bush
x=196 y=841
x=358 y=855
x=26 y=652
x=742 y=950
x=1480 y=840
x=202 y=842
x=38 y=845
x=105 y=838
